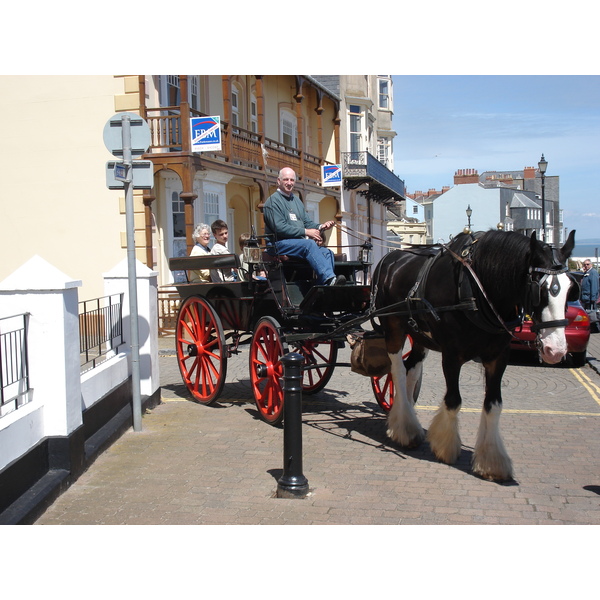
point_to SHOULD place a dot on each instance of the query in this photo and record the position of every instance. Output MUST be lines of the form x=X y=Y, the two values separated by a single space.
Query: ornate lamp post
x=469 y=212
x=543 y=165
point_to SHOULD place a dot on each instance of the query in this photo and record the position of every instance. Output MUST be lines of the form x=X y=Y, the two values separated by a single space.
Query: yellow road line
x=588 y=384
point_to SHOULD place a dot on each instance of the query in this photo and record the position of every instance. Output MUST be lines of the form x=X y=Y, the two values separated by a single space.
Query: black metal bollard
x=292 y=484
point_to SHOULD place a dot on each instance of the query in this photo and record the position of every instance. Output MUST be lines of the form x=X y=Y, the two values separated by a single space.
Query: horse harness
x=482 y=313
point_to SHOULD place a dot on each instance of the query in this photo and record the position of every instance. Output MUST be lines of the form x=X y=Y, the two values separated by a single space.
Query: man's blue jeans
x=318 y=257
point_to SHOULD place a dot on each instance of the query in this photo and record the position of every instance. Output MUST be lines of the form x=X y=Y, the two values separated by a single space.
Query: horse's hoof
x=499 y=472
x=447 y=457
x=407 y=441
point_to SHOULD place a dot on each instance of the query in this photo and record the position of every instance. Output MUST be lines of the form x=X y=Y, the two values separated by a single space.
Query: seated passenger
x=295 y=233
x=201 y=237
x=221 y=234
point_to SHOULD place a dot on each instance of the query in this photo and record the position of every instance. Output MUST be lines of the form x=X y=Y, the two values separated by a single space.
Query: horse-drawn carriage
x=462 y=299
x=283 y=312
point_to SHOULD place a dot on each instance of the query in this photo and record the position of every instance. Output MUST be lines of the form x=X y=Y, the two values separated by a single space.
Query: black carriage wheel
x=266 y=370
x=201 y=353
x=323 y=354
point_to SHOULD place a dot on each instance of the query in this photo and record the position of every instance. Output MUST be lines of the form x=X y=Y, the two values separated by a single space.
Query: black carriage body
x=284 y=312
x=289 y=294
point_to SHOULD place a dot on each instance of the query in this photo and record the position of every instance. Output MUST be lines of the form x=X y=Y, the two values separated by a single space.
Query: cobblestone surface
x=193 y=464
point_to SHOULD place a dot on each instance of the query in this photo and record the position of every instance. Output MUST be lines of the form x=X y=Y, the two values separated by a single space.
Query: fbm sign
x=331 y=175
x=206 y=133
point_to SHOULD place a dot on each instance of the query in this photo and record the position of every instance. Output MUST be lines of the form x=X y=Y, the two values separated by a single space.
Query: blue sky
x=502 y=122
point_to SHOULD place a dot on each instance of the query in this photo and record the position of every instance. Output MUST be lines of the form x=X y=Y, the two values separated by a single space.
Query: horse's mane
x=501 y=261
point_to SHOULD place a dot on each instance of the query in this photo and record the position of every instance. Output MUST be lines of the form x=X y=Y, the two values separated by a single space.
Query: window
x=178 y=212
x=356 y=128
x=253 y=114
x=384 y=151
x=235 y=107
x=173 y=90
x=385 y=94
x=194 y=91
x=211 y=207
x=289 y=129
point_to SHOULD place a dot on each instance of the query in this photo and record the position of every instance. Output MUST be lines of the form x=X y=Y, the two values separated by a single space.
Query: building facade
x=509 y=200
x=367 y=158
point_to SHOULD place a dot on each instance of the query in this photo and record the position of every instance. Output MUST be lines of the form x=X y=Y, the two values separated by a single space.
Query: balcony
x=240 y=147
x=360 y=168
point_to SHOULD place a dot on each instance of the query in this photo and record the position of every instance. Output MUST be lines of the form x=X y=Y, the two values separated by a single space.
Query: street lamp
x=469 y=212
x=542 y=165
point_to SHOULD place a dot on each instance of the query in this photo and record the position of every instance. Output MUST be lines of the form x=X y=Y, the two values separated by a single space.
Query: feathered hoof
x=443 y=436
x=408 y=440
x=446 y=454
x=498 y=469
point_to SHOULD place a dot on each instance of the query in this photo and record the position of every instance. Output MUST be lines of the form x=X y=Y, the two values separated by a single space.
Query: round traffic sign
x=140 y=134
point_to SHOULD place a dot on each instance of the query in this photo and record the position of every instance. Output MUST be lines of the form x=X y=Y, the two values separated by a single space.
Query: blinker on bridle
x=554 y=289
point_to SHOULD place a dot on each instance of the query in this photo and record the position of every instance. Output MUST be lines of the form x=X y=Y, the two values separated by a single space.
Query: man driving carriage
x=294 y=233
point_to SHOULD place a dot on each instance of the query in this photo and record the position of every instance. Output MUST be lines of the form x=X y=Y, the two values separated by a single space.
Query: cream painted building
x=55 y=202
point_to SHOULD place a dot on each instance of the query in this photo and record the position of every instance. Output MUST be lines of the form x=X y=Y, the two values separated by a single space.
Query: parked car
x=577 y=332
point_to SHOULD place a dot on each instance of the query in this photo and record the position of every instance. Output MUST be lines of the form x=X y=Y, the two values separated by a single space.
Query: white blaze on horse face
x=553 y=340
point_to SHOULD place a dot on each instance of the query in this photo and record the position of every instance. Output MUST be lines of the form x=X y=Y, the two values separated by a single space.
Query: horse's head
x=550 y=287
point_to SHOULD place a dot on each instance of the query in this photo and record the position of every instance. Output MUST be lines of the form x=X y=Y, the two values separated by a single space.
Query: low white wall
x=60 y=394
x=103 y=379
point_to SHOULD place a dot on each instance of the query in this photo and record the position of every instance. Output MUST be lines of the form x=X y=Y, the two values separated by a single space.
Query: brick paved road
x=219 y=465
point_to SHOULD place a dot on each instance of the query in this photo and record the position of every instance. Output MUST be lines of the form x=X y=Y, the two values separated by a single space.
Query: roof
x=522 y=201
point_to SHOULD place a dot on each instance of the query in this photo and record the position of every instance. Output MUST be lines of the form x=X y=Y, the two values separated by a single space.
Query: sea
x=589 y=248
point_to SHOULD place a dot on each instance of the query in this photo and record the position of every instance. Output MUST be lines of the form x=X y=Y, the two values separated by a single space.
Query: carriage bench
x=202 y=262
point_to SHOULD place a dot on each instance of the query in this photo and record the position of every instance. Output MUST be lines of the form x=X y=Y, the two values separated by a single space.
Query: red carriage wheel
x=383 y=388
x=317 y=353
x=266 y=370
x=201 y=353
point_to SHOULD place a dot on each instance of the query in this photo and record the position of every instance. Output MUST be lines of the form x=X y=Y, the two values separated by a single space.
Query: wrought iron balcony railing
x=360 y=168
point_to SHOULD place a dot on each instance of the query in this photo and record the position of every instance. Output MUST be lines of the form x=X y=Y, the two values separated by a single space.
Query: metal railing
x=100 y=329
x=363 y=165
x=14 y=363
x=239 y=146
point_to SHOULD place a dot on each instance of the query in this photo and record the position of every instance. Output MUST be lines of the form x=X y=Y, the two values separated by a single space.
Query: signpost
x=127 y=135
x=141 y=175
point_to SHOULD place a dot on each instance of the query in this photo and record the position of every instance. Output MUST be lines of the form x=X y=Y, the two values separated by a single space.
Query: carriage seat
x=206 y=261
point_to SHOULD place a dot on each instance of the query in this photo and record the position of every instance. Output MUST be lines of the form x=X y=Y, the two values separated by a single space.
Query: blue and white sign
x=206 y=133
x=331 y=175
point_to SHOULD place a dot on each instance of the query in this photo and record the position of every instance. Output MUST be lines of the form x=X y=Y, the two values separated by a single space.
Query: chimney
x=529 y=173
x=466 y=176
x=445 y=189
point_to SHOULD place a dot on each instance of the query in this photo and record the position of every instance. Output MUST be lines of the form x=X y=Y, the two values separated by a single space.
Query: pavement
x=219 y=465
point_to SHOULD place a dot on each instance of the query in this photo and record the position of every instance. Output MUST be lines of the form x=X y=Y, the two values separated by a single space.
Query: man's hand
x=314 y=234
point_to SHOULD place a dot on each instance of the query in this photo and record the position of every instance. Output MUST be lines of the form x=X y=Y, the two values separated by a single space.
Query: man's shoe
x=339 y=280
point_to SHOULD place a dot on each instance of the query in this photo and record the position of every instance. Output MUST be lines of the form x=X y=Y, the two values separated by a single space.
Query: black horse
x=463 y=300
